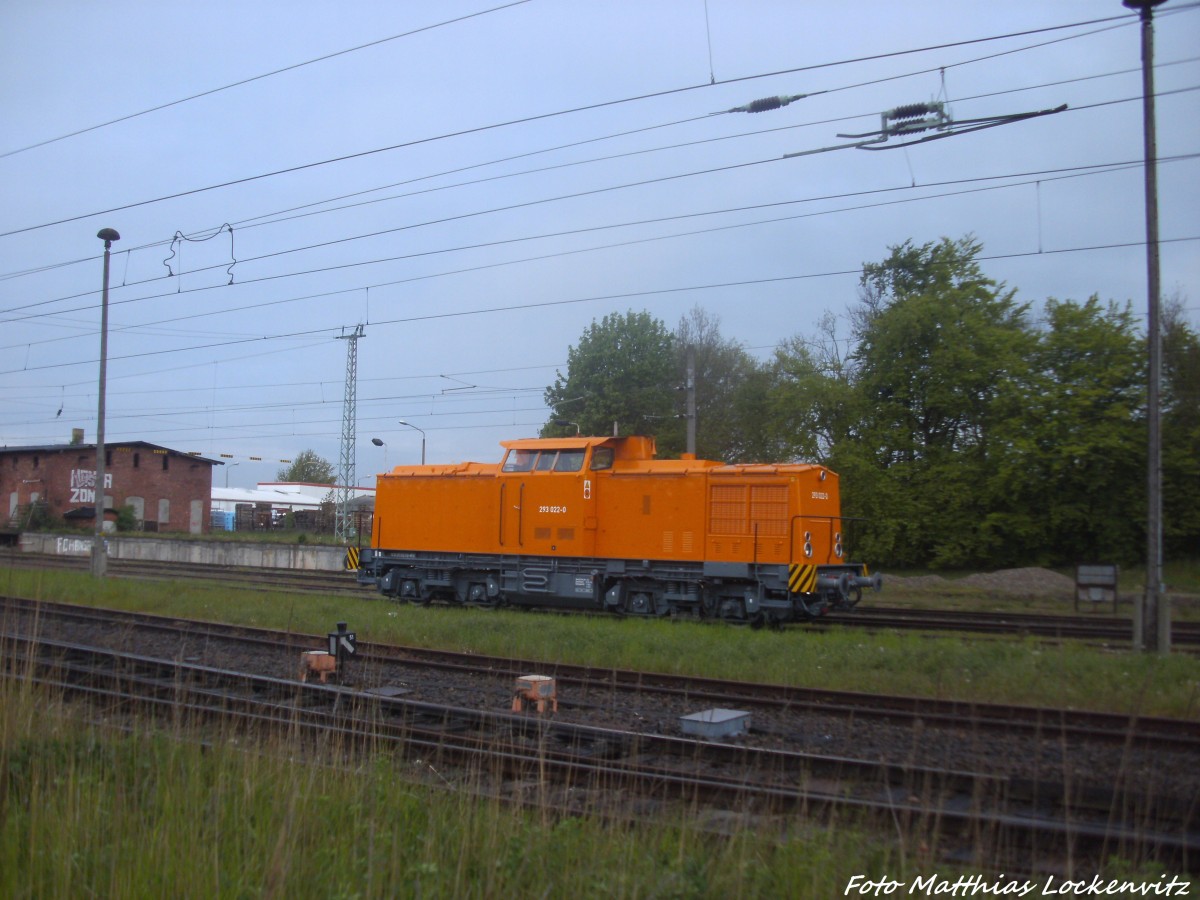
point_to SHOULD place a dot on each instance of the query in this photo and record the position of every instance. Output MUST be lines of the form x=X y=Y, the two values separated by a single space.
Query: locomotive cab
x=546 y=496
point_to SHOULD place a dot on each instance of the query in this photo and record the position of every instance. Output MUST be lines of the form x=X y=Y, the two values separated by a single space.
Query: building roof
x=108 y=445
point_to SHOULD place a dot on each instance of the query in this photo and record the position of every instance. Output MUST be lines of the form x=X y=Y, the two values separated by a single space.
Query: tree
x=622 y=375
x=1181 y=433
x=308 y=468
x=812 y=402
x=939 y=346
x=731 y=390
x=1068 y=485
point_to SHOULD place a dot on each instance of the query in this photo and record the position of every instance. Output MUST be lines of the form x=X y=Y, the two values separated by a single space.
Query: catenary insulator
x=912 y=110
x=765 y=104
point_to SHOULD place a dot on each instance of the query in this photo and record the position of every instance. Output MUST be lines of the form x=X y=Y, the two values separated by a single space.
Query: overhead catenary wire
x=284 y=215
x=178 y=236
x=1023 y=178
x=621 y=295
x=562 y=112
x=289 y=68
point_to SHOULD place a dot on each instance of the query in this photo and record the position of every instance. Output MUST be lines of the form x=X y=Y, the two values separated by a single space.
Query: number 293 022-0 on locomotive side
x=597 y=523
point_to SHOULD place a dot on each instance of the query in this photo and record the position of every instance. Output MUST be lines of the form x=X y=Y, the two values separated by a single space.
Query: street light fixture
x=99 y=554
x=228 y=469
x=410 y=425
x=378 y=442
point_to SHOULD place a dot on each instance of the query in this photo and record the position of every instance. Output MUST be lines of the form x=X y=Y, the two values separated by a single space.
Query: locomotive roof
x=563 y=443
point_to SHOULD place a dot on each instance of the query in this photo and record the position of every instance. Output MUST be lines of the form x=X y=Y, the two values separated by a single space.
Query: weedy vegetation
x=97 y=805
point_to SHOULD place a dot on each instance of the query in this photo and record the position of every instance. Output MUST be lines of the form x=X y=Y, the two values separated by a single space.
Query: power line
x=1043 y=175
x=245 y=81
x=255 y=221
x=544 y=200
x=622 y=295
x=569 y=111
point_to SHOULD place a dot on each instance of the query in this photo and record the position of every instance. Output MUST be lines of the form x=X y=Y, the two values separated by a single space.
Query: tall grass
x=86 y=811
x=131 y=807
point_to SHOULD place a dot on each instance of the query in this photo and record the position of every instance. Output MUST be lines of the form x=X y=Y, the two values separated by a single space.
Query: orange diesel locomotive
x=599 y=523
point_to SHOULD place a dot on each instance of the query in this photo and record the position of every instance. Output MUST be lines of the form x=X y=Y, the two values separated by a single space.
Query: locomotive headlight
x=837 y=550
x=808 y=549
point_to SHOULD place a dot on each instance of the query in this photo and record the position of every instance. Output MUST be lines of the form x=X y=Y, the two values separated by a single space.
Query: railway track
x=1125 y=752
x=1106 y=630
x=290 y=580
x=953 y=808
x=1111 y=629
x=790 y=700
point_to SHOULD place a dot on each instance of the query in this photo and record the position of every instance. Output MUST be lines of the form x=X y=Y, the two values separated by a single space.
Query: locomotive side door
x=547 y=503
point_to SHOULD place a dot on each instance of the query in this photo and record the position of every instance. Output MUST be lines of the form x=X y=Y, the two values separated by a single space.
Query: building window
x=164 y=512
x=135 y=460
x=108 y=457
x=166 y=460
x=35 y=462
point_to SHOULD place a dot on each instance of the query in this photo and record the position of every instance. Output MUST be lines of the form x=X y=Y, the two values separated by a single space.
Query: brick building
x=168 y=490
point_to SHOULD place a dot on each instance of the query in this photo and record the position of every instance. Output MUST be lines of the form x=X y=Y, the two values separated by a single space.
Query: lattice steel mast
x=343 y=527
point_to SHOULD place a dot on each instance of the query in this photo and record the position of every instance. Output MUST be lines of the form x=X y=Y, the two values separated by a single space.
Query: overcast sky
x=475 y=183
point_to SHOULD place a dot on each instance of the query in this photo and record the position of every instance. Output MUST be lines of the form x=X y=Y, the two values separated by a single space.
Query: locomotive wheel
x=640 y=603
x=483 y=599
x=411 y=591
x=757 y=621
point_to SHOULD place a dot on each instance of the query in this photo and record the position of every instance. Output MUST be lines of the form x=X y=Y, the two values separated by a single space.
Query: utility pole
x=1152 y=619
x=99 y=551
x=343 y=525
x=691 y=400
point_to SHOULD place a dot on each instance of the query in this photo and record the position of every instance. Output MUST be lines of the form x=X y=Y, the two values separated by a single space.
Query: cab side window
x=569 y=460
x=545 y=462
x=602 y=458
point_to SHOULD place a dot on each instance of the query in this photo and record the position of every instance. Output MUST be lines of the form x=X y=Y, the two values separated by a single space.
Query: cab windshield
x=520 y=461
x=544 y=461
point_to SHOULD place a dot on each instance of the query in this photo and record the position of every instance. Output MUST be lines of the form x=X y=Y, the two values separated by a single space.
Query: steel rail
x=1130 y=729
x=181 y=686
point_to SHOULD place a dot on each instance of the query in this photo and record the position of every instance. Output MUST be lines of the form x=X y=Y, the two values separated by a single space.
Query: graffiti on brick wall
x=83 y=485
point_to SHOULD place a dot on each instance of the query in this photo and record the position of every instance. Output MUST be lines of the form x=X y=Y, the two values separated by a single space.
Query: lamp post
x=1151 y=621
x=379 y=443
x=99 y=555
x=227 y=471
x=410 y=425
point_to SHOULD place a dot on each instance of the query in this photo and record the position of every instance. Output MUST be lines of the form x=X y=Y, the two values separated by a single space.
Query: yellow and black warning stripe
x=351 y=558
x=802 y=579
